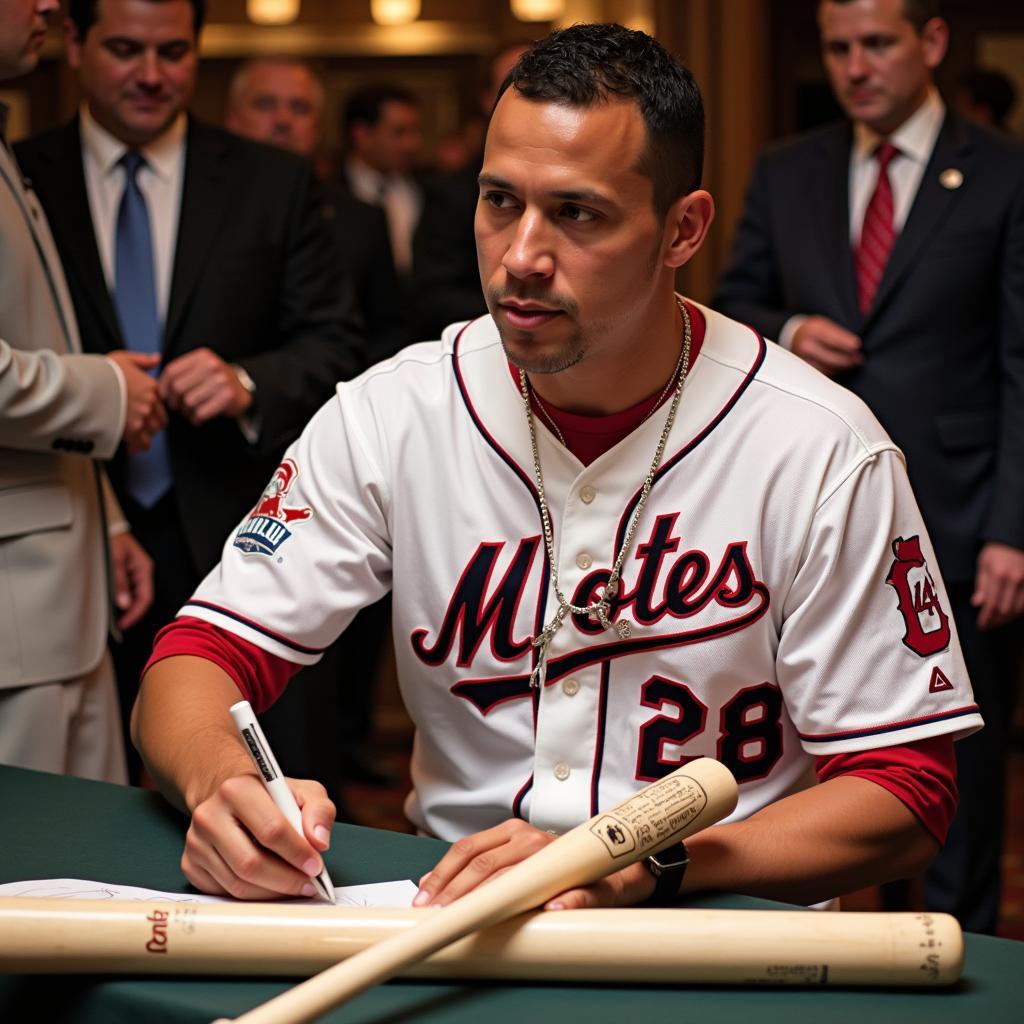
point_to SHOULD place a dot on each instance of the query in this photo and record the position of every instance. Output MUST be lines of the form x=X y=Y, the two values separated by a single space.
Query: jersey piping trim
x=602 y=721
x=517 y=803
x=910 y=723
x=514 y=466
x=270 y=634
x=478 y=422
x=703 y=435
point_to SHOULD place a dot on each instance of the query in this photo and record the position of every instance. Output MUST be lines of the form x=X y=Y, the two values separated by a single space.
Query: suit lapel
x=203 y=201
x=928 y=211
x=35 y=224
x=830 y=195
x=11 y=174
x=72 y=227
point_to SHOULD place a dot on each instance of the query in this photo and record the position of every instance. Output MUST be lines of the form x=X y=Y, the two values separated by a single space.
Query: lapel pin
x=951 y=178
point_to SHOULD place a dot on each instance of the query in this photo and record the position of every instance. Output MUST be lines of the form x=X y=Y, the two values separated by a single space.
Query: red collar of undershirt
x=589 y=437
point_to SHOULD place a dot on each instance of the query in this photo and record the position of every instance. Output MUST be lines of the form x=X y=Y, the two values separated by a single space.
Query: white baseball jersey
x=782 y=592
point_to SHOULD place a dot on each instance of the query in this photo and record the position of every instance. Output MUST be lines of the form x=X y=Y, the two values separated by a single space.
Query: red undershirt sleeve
x=260 y=677
x=921 y=774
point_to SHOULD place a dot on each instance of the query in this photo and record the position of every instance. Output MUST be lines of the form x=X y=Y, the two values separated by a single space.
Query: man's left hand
x=201 y=386
x=133 y=578
x=999 y=585
x=478 y=858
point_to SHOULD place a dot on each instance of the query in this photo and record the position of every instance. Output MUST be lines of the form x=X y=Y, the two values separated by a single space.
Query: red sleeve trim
x=260 y=677
x=921 y=774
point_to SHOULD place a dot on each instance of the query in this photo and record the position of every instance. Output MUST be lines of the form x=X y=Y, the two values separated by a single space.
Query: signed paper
x=376 y=894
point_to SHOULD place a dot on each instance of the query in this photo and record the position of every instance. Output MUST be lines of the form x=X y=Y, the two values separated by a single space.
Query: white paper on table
x=375 y=894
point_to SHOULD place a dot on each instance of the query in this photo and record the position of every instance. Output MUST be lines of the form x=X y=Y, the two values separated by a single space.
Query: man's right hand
x=146 y=415
x=239 y=843
x=827 y=346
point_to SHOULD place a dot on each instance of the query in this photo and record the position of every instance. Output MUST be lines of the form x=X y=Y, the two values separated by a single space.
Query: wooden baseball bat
x=689 y=799
x=627 y=946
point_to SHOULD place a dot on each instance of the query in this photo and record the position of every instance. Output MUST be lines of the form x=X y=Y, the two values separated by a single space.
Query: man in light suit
x=900 y=272
x=232 y=285
x=59 y=409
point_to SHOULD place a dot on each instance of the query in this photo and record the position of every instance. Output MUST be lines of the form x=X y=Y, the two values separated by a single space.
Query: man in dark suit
x=323 y=728
x=280 y=101
x=889 y=253
x=987 y=96
x=446 y=277
x=380 y=127
x=182 y=239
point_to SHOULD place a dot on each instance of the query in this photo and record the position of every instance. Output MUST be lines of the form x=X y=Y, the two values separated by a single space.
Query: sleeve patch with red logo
x=266 y=529
x=926 y=624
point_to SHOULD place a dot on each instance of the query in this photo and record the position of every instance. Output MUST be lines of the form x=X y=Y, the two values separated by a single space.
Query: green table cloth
x=57 y=827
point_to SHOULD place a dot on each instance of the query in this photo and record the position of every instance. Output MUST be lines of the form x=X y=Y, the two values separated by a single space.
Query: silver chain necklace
x=598 y=610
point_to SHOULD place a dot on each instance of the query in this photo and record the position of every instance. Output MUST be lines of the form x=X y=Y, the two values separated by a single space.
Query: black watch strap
x=668 y=868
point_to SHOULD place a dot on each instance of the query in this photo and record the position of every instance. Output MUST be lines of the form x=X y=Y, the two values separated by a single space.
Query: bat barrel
x=625 y=946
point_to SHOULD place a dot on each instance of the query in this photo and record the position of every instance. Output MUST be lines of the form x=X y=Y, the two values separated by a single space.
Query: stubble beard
x=569 y=354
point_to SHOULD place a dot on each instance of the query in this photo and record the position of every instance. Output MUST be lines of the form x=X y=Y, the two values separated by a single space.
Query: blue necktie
x=149 y=472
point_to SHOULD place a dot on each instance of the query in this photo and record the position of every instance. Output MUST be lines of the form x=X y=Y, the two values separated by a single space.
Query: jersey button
x=587 y=494
x=561 y=771
x=571 y=687
x=583 y=560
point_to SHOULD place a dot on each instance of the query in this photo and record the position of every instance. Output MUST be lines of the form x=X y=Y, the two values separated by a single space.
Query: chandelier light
x=394 y=12
x=272 y=12
x=538 y=10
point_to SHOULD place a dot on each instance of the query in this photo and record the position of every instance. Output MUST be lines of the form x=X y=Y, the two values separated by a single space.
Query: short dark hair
x=83 y=14
x=992 y=89
x=585 y=65
x=366 y=106
x=917 y=12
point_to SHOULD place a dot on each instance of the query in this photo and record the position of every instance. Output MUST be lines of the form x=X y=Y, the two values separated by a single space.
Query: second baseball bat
x=689 y=799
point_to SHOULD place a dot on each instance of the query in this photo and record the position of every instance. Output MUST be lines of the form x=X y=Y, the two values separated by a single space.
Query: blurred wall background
x=756 y=61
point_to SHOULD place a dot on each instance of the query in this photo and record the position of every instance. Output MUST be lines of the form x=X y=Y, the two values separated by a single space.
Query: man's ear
x=686 y=224
x=935 y=40
x=72 y=44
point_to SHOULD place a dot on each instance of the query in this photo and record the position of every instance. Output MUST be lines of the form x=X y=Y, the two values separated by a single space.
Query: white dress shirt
x=915 y=139
x=160 y=182
x=401 y=200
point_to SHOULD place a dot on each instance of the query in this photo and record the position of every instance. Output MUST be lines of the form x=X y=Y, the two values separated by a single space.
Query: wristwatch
x=668 y=868
x=244 y=379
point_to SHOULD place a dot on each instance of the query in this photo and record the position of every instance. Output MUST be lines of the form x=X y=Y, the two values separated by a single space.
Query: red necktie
x=878 y=232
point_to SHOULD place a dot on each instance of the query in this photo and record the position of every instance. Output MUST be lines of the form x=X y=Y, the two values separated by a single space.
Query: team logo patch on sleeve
x=927 y=626
x=266 y=529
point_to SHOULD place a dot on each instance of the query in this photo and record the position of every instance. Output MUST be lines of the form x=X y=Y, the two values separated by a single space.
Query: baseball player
x=621 y=532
